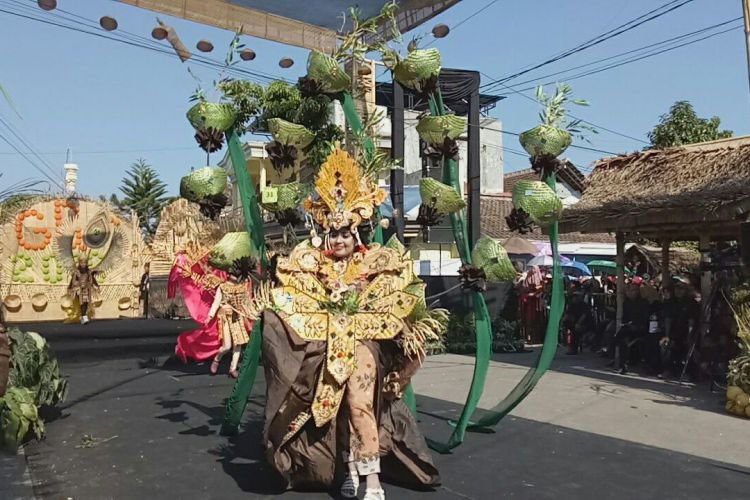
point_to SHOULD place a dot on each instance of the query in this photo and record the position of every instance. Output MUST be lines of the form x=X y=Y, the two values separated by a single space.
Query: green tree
x=683 y=126
x=144 y=193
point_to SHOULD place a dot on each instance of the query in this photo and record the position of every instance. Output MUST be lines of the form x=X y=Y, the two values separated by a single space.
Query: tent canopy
x=311 y=24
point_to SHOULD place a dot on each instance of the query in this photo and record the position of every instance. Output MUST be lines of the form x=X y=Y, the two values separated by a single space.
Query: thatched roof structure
x=676 y=193
x=650 y=257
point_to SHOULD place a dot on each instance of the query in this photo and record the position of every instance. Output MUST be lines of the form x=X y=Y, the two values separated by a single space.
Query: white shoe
x=374 y=494
x=84 y=320
x=350 y=486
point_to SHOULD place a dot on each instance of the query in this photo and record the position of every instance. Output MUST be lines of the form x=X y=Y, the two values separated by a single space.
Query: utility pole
x=746 y=12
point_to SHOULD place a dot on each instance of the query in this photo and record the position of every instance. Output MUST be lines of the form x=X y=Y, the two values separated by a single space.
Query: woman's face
x=342 y=242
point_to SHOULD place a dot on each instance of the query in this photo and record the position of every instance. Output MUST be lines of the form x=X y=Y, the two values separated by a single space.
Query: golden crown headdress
x=346 y=197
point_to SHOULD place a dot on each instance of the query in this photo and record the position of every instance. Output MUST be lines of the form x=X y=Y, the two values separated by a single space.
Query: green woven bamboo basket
x=204 y=182
x=444 y=199
x=545 y=141
x=325 y=70
x=230 y=248
x=206 y=115
x=290 y=133
x=492 y=257
x=435 y=129
x=288 y=196
x=538 y=200
x=418 y=66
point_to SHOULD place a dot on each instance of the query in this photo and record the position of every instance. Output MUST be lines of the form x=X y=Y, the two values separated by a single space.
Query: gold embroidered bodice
x=368 y=297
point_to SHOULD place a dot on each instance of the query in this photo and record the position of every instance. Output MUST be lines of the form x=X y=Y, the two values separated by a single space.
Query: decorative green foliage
x=18 y=416
x=245 y=98
x=683 y=126
x=35 y=369
x=34 y=382
x=145 y=193
x=280 y=100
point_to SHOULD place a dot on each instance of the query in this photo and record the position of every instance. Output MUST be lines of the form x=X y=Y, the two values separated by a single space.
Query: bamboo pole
x=182 y=51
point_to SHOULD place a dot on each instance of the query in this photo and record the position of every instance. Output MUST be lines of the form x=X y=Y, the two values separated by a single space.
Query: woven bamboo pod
x=444 y=199
x=435 y=129
x=492 y=257
x=327 y=72
x=538 y=200
x=206 y=115
x=545 y=141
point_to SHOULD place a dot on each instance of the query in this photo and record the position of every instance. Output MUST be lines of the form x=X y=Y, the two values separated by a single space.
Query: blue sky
x=113 y=103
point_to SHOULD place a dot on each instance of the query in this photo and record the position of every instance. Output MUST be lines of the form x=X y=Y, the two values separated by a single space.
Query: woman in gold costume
x=231 y=254
x=343 y=333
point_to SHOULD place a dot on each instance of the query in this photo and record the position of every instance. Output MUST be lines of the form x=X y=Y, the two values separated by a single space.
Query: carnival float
x=45 y=236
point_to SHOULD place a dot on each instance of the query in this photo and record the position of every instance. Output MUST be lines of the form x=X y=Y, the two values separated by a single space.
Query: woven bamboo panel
x=181 y=228
x=224 y=15
x=41 y=239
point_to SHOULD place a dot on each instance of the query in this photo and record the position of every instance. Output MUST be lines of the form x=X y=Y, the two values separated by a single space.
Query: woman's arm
x=215 y=305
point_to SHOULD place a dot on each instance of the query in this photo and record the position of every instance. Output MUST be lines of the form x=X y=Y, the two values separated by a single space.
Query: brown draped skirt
x=313 y=458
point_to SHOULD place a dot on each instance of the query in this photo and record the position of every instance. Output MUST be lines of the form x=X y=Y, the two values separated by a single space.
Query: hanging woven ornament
x=434 y=130
x=284 y=201
x=442 y=198
x=538 y=200
x=206 y=187
x=418 y=71
x=230 y=249
x=327 y=72
x=492 y=257
x=205 y=115
x=289 y=138
x=544 y=140
x=290 y=133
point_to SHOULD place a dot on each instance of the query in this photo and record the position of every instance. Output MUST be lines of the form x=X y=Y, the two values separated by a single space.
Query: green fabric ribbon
x=481 y=313
x=484 y=324
x=237 y=401
x=549 y=348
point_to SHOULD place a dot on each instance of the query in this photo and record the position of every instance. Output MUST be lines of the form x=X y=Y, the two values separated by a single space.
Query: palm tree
x=144 y=193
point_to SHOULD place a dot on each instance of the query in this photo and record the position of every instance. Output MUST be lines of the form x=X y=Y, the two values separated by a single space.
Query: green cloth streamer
x=549 y=348
x=237 y=401
x=481 y=313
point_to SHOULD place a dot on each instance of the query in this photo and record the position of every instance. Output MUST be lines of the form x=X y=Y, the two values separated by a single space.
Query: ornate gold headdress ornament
x=346 y=197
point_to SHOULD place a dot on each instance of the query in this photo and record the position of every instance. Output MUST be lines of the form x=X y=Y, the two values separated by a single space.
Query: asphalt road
x=133 y=428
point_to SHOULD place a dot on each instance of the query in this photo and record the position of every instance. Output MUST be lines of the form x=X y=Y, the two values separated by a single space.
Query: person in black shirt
x=681 y=314
x=635 y=316
x=144 y=288
x=578 y=319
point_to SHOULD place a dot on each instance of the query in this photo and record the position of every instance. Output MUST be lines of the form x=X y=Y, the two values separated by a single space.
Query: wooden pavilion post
x=666 y=276
x=704 y=247
x=620 y=260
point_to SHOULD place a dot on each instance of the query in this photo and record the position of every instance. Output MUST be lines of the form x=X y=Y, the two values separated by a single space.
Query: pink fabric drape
x=202 y=343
